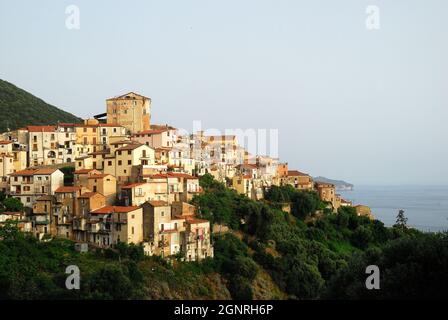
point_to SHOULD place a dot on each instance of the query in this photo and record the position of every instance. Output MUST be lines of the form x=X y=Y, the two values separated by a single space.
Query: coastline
x=425 y=206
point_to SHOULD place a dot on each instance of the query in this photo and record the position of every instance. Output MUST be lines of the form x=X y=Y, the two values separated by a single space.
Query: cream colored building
x=131 y=110
x=128 y=162
x=327 y=193
x=164 y=137
x=104 y=184
x=113 y=224
x=297 y=179
x=196 y=240
x=167 y=234
x=28 y=185
x=243 y=185
x=49 y=145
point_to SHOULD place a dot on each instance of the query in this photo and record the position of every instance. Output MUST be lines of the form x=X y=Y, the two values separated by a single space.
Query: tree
x=305 y=203
x=401 y=222
x=208 y=182
x=13 y=205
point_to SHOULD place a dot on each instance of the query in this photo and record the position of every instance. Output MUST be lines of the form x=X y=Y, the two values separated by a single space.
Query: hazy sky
x=370 y=107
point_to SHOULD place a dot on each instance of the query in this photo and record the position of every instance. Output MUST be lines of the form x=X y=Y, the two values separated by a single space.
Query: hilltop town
x=119 y=178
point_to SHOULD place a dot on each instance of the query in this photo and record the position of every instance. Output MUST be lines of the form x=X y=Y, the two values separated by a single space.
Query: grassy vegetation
x=267 y=254
x=19 y=108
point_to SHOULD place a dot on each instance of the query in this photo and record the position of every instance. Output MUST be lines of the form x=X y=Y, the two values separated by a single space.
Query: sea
x=426 y=207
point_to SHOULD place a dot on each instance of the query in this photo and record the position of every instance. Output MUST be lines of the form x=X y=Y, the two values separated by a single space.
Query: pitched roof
x=26 y=172
x=45 y=171
x=5 y=142
x=133 y=185
x=88 y=195
x=83 y=171
x=158 y=203
x=295 y=173
x=41 y=128
x=152 y=131
x=31 y=172
x=98 y=176
x=112 y=209
x=129 y=95
x=67 y=189
x=130 y=147
x=122 y=142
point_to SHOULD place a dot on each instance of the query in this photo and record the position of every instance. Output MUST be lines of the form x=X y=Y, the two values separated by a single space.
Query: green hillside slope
x=19 y=108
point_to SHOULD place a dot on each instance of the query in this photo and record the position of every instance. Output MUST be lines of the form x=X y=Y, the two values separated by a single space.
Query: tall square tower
x=131 y=110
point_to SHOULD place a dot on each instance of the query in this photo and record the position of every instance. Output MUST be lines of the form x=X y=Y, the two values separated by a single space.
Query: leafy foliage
x=325 y=257
x=19 y=108
x=11 y=205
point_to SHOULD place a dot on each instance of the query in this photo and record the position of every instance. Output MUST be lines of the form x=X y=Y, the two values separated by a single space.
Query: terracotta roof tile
x=41 y=128
x=295 y=173
x=158 y=203
x=133 y=185
x=87 y=195
x=67 y=189
x=112 y=209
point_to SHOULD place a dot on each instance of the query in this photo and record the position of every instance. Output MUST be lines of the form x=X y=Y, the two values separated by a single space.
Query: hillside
x=339 y=184
x=19 y=108
x=268 y=254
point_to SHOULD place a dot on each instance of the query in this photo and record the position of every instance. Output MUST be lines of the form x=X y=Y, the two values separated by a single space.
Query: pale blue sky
x=370 y=107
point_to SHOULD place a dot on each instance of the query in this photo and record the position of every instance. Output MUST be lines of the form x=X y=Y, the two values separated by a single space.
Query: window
x=129 y=162
x=132 y=230
x=129 y=152
x=109 y=163
x=119 y=162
